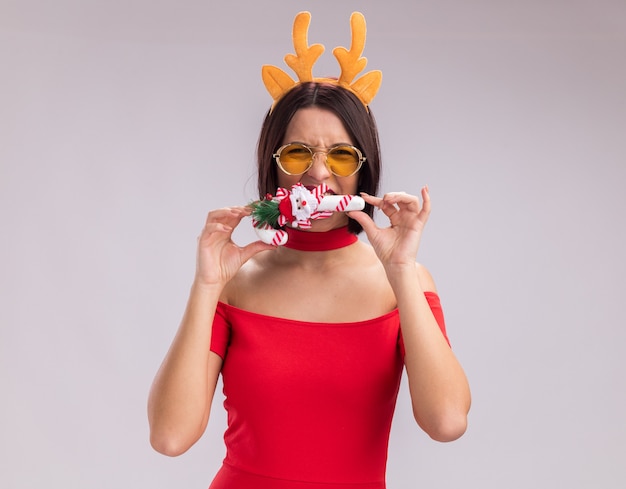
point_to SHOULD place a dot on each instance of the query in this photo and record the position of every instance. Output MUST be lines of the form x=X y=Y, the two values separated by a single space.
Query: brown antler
x=305 y=57
x=351 y=62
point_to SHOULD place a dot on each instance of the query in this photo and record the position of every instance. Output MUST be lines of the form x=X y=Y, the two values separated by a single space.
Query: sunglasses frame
x=315 y=150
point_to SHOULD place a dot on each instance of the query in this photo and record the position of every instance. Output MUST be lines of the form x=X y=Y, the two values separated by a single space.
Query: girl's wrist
x=206 y=288
x=403 y=275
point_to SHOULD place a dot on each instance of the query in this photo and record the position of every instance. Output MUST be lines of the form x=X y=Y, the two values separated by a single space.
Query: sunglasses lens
x=343 y=160
x=295 y=159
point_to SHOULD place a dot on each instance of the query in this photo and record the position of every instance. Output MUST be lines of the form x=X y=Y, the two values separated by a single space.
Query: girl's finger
x=253 y=248
x=227 y=214
x=426 y=199
x=370 y=199
x=402 y=200
x=214 y=228
x=366 y=222
x=388 y=208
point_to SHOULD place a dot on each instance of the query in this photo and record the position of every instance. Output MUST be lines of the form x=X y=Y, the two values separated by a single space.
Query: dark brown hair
x=357 y=119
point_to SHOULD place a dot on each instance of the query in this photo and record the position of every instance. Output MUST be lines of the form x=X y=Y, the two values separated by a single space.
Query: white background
x=123 y=122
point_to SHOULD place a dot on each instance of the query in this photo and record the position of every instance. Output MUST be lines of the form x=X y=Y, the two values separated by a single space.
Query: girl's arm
x=182 y=392
x=438 y=386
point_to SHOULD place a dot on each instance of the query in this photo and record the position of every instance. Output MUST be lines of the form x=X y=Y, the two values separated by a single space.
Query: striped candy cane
x=328 y=204
x=341 y=203
x=269 y=235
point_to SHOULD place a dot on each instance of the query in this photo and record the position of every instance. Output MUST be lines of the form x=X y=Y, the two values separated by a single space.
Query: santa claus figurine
x=297 y=207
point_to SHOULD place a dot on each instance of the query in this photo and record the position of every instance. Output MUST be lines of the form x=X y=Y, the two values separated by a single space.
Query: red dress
x=309 y=404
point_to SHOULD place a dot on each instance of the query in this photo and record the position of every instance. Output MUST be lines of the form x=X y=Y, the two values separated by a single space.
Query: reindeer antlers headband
x=278 y=83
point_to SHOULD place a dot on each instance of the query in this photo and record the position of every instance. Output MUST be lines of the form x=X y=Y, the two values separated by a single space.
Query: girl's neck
x=319 y=241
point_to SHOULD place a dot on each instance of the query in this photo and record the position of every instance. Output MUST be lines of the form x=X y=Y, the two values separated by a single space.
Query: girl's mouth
x=310 y=188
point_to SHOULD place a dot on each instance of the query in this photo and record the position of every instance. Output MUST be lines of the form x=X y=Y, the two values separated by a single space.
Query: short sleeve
x=220 y=333
x=435 y=306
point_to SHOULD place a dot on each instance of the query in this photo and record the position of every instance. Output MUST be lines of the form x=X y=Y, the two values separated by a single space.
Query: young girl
x=311 y=337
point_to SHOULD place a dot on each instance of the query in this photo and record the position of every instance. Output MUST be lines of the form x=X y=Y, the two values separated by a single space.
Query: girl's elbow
x=444 y=427
x=168 y=443
x=449 y=430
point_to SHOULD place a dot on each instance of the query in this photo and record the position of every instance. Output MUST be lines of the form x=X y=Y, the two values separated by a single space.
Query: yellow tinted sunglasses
x=342 y=160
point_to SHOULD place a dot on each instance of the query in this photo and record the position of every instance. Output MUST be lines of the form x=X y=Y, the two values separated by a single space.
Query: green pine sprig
x=265 y=212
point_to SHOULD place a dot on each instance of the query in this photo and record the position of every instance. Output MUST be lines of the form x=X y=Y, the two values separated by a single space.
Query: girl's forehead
x=316 y=124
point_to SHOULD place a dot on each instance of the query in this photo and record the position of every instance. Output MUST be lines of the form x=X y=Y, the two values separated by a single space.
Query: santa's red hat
x=286 y=210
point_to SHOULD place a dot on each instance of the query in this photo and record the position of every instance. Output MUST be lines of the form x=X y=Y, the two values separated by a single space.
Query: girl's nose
x=319 y=171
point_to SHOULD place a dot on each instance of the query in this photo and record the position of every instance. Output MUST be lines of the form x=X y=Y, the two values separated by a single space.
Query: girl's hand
x=219 y=258
x=396 y=245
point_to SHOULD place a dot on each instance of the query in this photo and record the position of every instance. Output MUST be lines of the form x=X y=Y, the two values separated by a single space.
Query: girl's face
x=320 y=129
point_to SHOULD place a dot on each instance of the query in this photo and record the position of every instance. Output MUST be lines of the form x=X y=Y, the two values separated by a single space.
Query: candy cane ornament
x=297 y=207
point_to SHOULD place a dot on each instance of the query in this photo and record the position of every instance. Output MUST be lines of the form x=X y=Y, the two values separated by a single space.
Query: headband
x=278 y=83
